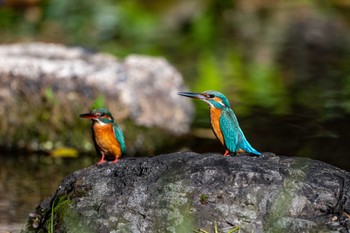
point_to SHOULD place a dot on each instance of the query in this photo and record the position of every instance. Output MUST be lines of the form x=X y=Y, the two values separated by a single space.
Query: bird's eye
x=102 y=114
x=209 y=96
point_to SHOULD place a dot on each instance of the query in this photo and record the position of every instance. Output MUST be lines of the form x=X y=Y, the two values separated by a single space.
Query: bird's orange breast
x=215 y=114
x=106 y=140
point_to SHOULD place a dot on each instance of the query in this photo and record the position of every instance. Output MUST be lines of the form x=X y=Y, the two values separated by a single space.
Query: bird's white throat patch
x=98 y=121
x=208 y=102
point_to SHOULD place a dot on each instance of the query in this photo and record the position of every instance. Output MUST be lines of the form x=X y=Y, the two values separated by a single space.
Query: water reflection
x=28 y=179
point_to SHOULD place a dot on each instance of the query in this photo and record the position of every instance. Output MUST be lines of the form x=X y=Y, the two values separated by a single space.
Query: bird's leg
x=227 y=153
x=115 y=160
x=102 y=160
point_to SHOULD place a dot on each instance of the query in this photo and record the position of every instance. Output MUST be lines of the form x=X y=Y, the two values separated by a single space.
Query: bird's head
x=212 y=98
x=99 y=115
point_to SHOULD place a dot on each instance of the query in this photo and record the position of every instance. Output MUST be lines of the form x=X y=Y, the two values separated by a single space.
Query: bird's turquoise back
x=232 y=133
x=120 y=137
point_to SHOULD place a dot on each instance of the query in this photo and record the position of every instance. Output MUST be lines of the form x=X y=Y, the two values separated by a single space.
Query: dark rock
x=183 y=191
x=44 y=88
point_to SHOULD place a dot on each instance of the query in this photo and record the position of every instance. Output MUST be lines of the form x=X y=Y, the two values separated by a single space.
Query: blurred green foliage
x=100 y=102
x=288 y=59
x=230 y=46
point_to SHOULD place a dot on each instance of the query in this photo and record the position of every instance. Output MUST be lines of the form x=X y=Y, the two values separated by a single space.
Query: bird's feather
x=120 y=137
x=215 y=115
x=228 y=126
x=233 y=134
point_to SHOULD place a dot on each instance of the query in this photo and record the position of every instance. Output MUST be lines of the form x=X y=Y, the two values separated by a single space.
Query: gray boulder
x=44 y=87
x=185 y=191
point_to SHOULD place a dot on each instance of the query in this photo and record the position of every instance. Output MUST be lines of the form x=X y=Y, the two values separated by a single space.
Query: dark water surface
x=28 y=179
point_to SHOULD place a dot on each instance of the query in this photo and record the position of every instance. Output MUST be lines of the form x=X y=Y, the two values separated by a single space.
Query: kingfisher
x=107 y=135
x=224 y=122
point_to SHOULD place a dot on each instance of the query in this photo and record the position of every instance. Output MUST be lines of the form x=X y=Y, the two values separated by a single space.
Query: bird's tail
x=249 y=149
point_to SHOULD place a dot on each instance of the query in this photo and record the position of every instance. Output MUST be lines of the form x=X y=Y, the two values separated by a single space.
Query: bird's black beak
x=192 y=95
x=87 y=115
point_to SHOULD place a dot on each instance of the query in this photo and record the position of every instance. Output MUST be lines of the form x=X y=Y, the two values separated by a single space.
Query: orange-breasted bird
x=224 y=122
x=107 y=135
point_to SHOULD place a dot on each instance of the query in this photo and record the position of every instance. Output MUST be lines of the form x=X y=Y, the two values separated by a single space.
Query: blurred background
x=284 y=66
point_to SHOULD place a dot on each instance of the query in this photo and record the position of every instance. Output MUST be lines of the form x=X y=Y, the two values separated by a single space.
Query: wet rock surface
x=183 y=191
x=44 y=87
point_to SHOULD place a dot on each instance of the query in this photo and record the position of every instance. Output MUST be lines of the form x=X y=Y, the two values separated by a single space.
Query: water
x=28 y=179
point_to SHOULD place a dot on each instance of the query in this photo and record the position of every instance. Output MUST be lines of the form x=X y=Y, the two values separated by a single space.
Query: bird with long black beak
x=224 y=122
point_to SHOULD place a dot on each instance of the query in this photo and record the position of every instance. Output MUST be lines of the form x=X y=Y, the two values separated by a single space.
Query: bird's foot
x=115 y=160
x=227 y=153
x=102 y=160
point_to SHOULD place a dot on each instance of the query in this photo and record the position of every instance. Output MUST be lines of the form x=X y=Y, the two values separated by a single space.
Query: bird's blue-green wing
x=228 y=126
x=233 y=134
x=120 y=137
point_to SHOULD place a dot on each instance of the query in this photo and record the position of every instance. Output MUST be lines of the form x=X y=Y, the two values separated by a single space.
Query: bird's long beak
x=192 y=95
x=87 y=115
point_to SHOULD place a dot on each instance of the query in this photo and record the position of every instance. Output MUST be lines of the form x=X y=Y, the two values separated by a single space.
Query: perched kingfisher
x=224 y=122
x=107 y=136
